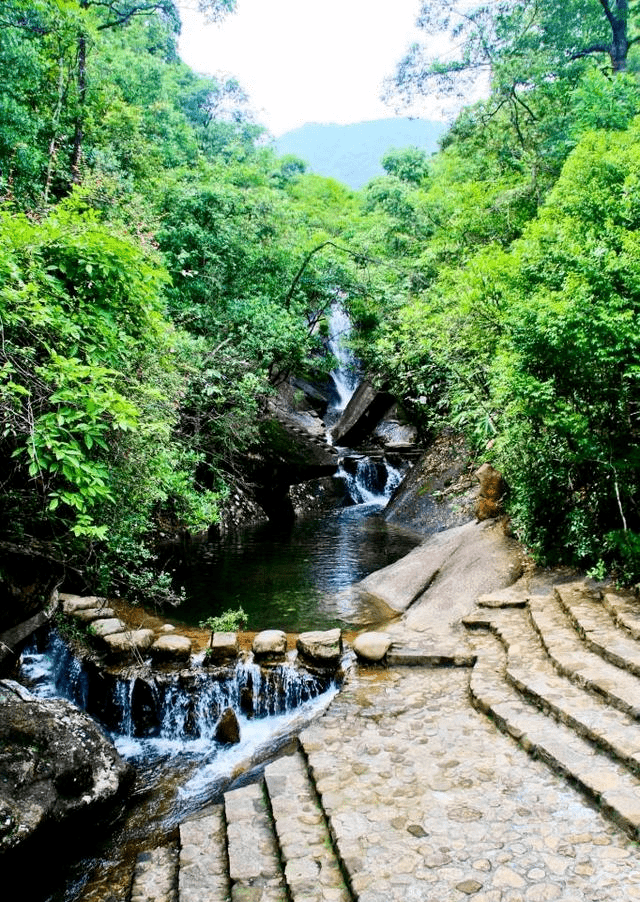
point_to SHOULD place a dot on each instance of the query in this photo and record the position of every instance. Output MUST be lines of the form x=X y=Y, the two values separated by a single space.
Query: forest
x=162 y=271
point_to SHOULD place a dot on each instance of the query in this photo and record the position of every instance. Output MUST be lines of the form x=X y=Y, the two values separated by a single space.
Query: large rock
x=438 y=492
x=130 y=643
x=321 y=648
x=361 y=415
x=437 y=583
x=58 y=771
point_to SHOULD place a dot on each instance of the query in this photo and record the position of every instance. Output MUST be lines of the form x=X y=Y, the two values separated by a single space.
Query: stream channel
x=295 y=578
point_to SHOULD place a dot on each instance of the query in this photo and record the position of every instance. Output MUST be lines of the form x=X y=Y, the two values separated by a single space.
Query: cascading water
x=152 y=716
x=368 y=481
x=345 y=375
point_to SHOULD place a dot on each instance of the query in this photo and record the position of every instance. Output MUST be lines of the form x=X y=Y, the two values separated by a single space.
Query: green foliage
x=227 y=622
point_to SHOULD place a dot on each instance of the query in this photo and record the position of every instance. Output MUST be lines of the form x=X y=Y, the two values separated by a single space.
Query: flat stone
x=88 y=615
x=469 y=887
x=129 y=642
x=323 y=648
x=72 y=603
x=171 y=648
x=107 y=627
x=372 y=646
x=224 y=647
x=270 y=643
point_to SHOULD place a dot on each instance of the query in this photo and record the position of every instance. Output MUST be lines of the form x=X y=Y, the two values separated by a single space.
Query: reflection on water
x=297 y=577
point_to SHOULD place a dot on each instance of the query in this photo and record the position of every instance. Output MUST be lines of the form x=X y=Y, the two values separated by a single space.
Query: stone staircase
x=560 y=673
x=267 y=842
x=352 y=813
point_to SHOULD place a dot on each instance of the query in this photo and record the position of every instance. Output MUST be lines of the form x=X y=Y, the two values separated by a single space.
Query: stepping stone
x=131 y=642
x=372 y=646
x=72 y=603
x=107 y=627
x=311 y=868
x=88 y=615
x=254 y=865
x=170 y=647
x=154 y=876
x=270 y=644
x=204 y=875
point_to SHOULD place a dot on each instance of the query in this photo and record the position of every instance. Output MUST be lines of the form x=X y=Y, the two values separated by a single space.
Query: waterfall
x=150 y=713
x=369 y=481
x=345 y=376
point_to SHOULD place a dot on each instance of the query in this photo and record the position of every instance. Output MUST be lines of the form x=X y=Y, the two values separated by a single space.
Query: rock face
x=57 y=770
x=492 y=490
x=438 y=493
x=362 y=414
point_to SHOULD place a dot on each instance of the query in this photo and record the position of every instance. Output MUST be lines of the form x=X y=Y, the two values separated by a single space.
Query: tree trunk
x=78 y=136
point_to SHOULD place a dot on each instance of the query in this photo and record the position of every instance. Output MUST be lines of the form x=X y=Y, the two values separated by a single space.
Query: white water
x=345 y=376
x=284 y=700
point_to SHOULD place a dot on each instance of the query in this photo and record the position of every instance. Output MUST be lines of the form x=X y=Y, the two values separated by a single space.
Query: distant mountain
x=352 y=153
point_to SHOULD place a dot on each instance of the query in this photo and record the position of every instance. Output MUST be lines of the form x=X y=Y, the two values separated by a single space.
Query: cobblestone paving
x=428 y=801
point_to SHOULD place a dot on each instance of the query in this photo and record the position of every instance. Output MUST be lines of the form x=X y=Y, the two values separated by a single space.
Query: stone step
x=625 y=610
x=255 y=870
x=204 y=865
x=154 y=875
x=573 y=660
x=311 y=867
x=593 y=622
x=529 y=670
x=607 y=782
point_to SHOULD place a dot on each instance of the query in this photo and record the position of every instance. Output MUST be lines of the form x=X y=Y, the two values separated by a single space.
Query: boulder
x=106 y=627
x=171 y=649
x=72 y=603
x=372 y=647
x=228 y=729
x=270 y=644
x=58 y=771
x=321 y=648
x=492 y=490
x=224 y=647
x=129 y=643
x=361 y=415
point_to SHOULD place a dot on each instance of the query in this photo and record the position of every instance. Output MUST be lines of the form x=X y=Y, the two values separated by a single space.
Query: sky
x=304 y=61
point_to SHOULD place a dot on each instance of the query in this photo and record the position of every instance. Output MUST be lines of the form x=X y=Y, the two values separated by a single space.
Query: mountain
x=352 y=153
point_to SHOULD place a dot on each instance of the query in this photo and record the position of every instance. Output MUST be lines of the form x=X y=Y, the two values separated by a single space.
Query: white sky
x=306 y=61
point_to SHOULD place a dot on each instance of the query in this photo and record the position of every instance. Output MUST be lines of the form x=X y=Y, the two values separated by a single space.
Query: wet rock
x=362 y=414
x=270 y=644
x=372 y=646
x=130 y=642
x=492 y=490
x=228 y=729
x=321 y=648
x=171 y=649
x=224 y=647
x=57 y=770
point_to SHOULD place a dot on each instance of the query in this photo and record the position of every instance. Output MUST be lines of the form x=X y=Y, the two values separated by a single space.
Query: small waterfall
x=149 y=712
x=345 y=376
x=369 y=481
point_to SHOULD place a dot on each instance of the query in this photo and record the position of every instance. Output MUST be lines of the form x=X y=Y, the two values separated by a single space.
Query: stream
x=294 y=578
